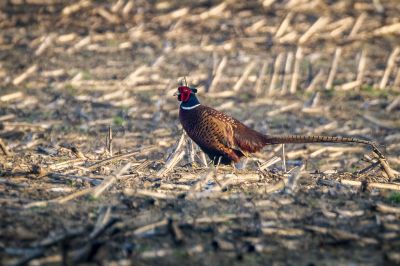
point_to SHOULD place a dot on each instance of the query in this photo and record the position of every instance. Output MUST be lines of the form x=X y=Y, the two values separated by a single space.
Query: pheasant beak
x=178 y=94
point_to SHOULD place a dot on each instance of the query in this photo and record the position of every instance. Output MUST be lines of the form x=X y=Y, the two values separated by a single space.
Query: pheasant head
x=187 y=97
x=184 y=93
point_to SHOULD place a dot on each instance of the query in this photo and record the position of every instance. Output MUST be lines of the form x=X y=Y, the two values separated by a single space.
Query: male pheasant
x=225 y=139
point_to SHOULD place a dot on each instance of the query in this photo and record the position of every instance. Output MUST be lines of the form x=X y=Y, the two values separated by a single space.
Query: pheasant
x=225 y=139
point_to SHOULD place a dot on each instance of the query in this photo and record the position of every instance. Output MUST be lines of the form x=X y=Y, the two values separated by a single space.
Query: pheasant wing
x=223 y=132
x=235 y=135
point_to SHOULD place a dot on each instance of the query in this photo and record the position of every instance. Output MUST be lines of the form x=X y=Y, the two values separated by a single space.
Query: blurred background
x=73 y=72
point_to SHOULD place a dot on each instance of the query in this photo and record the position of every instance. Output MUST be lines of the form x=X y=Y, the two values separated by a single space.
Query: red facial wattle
x=184 y=93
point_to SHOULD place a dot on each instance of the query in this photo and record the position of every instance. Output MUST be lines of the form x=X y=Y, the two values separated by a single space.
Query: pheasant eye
x=183 y=89
x=185 y=95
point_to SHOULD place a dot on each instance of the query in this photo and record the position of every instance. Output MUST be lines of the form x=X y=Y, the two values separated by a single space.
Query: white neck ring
x=189 y=107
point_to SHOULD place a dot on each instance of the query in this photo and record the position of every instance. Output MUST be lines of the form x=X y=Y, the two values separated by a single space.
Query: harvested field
x=95 y=170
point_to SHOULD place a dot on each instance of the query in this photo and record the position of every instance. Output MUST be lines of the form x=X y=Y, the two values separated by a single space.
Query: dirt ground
x=72 y=73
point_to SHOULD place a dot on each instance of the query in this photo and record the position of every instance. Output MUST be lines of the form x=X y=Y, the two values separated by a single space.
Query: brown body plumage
x=225 y=139
x=220 y=136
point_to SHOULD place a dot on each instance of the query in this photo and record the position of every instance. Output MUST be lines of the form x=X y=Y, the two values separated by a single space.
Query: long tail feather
x=270 y=139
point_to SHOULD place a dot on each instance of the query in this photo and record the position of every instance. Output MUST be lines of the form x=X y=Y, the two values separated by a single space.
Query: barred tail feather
x=270 y=139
